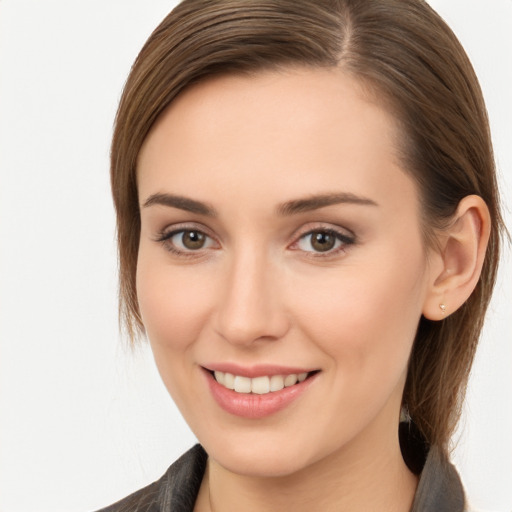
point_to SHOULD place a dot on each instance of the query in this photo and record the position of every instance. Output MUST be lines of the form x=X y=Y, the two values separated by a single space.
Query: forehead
x=295 y=128
x=261 y=98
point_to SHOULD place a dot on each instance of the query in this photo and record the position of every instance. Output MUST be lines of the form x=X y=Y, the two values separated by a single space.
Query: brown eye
x=322 y=241
x=193 y=240
x=185 y=241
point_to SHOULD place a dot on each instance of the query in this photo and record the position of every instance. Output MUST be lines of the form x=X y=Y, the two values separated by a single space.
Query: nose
x=250 y=307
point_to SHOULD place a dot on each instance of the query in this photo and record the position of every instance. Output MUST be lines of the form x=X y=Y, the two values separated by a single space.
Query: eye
x=323 y=241
x=186 y=241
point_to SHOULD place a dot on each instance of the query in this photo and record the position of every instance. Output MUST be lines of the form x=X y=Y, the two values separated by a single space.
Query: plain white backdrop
x=83 y=421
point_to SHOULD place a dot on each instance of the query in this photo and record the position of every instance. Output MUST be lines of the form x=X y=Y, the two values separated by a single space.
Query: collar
x=439 y=489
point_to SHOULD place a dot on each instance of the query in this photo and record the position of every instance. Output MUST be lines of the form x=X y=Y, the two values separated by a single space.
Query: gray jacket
x=439 y=489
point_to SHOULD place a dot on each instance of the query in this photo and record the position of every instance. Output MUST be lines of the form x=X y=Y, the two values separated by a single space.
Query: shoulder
x=145 y=499
x=176 y=491
x=439 y=488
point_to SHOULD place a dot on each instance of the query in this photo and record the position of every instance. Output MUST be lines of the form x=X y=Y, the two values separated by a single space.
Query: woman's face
x=280 y=237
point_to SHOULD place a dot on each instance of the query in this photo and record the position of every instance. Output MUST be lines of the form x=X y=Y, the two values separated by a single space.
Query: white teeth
x=229 y=380
x=258 y=385
x=276 y=382
x=242 y=384
x=290 y=380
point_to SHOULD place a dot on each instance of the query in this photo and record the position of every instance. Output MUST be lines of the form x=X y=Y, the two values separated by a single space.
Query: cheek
x=365 y=316
x=173 y=303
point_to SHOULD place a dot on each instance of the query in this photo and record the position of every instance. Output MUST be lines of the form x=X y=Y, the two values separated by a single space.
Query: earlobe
x=459 y=260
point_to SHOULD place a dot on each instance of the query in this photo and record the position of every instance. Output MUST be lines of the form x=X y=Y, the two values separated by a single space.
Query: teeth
x=229 y=380
x=276 y=382
x=258 y=385
x=290 y=380
x=242 y=384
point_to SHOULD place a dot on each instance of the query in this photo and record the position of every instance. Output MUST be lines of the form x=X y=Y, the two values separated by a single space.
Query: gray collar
x=439 y=489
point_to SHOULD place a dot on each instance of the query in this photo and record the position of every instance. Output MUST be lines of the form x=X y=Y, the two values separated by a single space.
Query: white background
x=83 y=421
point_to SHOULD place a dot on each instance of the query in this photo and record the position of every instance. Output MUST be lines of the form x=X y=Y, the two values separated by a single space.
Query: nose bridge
x=249 y=307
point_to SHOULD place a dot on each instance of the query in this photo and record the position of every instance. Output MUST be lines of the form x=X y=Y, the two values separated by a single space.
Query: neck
x=358 y=478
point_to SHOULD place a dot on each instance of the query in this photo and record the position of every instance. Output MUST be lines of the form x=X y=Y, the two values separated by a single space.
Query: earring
x=443 y=308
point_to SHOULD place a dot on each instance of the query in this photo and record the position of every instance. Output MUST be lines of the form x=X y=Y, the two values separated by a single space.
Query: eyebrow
x=320 y=201
x=182 y=203
x=292 y=207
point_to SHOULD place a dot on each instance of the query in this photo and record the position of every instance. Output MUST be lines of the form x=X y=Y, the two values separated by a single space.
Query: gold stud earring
x=443 y=308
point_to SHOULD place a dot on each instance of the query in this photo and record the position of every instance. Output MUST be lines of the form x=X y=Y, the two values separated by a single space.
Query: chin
x=260 y=456
x=261 y=464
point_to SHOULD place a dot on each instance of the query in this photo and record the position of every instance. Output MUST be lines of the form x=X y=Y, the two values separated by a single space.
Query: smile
x=258 y=385
x=260 y=392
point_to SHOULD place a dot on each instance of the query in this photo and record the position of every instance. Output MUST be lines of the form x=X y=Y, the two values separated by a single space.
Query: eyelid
x=171 y=229
x=312 y=227
x=346 y=236
x=165 y=235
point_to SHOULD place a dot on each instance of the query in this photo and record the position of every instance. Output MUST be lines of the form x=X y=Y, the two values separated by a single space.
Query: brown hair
x=405 y=53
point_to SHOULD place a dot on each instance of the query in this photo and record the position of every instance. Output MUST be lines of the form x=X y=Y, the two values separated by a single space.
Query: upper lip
x=258 y=370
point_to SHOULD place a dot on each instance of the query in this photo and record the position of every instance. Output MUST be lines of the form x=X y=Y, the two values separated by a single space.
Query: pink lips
x=253 y=406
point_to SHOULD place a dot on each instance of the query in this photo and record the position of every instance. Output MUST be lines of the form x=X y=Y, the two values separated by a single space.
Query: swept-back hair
x=404 y=53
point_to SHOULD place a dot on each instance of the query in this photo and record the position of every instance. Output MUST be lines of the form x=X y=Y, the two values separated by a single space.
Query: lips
x=258 y=385
x=257 y=392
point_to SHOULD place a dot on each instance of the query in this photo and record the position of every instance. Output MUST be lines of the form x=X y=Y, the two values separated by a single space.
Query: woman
x=308 y=231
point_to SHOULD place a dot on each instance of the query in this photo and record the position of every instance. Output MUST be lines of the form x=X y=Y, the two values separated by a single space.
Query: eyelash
x=342 y=237
x=345 y=240
x=165 y=237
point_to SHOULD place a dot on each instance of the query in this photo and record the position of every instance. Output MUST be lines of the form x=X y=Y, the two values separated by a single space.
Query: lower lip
x=254 y=406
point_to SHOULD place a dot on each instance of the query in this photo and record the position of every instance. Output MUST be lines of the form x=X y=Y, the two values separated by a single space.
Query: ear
x=457 y=263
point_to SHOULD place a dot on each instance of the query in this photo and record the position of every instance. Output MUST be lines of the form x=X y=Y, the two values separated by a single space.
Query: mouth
x=261 y=385
x=257 y=392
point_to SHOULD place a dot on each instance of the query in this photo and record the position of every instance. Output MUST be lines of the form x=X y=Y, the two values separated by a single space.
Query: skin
x=257 y=292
